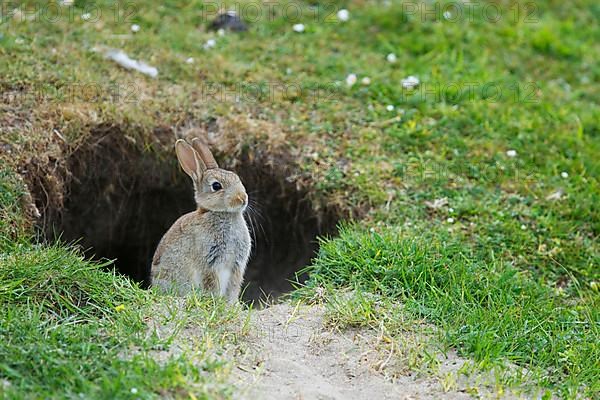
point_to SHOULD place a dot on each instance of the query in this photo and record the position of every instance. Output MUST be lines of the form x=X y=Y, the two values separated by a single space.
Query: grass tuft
x=70 y=328
x=62 y=283
x=12 y=218
x=489 y=310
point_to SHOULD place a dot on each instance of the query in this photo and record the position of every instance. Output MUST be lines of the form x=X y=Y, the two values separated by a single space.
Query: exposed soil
x=290 y=354
x=294 y=356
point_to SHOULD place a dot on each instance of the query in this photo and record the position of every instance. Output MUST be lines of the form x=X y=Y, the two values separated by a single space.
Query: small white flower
x=366 y=81
x=447 y=15
x=523 y=227
x=298 y=28
x=372 y=230
x=391 y=58
x=451 y=209
x=343 y=15
x=135 y=28
x=450 y=220
x=511 y=153
x=410 y=82
x=288 y=71
x=210 y=43
x=564 y=174
x=389 y=107
x=86 y=16
x=221 y=32
x=190 y=60
x=351 y=80
x=134 y=390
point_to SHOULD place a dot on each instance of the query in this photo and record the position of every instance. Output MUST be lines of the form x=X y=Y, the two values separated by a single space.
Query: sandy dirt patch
x=292 y=355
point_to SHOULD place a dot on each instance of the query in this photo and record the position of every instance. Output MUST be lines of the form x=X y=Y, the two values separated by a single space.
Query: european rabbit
x=210 y=247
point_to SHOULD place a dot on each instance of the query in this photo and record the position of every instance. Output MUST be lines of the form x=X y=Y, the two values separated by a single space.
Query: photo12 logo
x=470 y=11
x=268 y=10
x=72 y=93
x=428 y=171
x=268 y=92
x=67 y=11
x=460 y=92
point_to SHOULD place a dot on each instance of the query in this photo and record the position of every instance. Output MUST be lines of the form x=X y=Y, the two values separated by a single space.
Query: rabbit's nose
x=240 y=199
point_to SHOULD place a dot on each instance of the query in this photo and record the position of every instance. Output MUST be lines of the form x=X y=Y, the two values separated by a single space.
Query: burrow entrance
x=120 y=200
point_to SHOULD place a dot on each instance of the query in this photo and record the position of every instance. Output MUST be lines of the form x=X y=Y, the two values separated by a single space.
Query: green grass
x=69 y=329
x=489 y=310
x=522 y=269
x=12 y=216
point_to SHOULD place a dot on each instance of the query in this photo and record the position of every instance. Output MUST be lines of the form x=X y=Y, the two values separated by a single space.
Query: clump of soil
x=230 y=21
x=119 y=199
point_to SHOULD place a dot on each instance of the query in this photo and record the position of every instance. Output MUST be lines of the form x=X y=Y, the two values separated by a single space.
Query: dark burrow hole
x=120 y=201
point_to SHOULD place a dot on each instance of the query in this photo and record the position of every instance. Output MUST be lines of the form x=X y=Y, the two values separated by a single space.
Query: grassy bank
x=69 y=328
x=484 y=308
x=480 y=183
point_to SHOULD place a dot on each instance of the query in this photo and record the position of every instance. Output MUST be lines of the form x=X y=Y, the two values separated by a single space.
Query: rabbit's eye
x=216 y=186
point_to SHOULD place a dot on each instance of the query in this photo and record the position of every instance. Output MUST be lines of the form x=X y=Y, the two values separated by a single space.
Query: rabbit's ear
x=204 y=153
x=189 y=160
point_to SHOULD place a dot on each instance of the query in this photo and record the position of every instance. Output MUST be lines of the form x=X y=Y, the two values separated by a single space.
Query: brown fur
x=210 y=282
x=176 y=233
x=235 y=283
x=204 y=153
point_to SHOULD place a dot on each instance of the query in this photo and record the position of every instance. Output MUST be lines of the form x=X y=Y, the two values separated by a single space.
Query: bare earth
x=293 y=356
